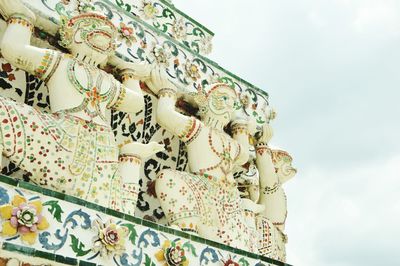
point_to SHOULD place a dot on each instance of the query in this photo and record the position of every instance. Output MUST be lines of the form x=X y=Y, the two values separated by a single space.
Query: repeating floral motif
x=187 y=68
x=110 y=238
x=172 y=254
x=74 y=227
x=23 y=217
x=184 y=65
x=160 y=15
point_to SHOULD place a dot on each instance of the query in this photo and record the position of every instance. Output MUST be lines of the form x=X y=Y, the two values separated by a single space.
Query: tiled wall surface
x=69 y=238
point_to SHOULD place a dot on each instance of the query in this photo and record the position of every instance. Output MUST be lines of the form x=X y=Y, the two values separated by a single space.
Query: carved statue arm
x=128 y=97
x=15 y=45
x=242 y=126
x=266 y=168
x=176 y=123
x=240 y=133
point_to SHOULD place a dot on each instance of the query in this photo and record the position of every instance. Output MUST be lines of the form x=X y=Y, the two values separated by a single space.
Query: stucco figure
x=275 y=168
x=71 y=150
x=205 y=200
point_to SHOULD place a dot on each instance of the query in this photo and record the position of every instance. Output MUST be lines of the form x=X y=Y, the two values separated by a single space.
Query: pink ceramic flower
x=23 y=217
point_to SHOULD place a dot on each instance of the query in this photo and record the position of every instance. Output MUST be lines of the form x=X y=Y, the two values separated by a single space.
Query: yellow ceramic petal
x=166 y=244
x=112 y=226
x=38 y=205
x=5 y=211
x=123 y=231
x=29 y=238
x=8 y=229
x=44 y=224
x=185 y=263
x=159 y=255
x=17 y=200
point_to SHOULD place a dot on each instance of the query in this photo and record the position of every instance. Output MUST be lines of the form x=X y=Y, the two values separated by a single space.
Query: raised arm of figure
x=266 y=169
x=241 y=128
x=15 y=45
x=175 y=122
x=130 y=97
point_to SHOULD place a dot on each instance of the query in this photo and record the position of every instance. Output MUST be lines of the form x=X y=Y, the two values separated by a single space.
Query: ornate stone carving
x=274 y=167
x=206 y=200
x=72 y=149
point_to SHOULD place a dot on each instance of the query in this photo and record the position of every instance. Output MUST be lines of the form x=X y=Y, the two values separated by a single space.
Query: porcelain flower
x=192 y=70
x=126 y=34
x=205 y=45
x=160 y=54
x=172 y=254
x=23 y=217
x=110 y=239
x=179 y=29
x=85 y=6
x=149 y=10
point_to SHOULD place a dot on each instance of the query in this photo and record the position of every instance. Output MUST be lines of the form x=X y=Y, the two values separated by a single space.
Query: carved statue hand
x=140 y=70
x=240 y=117
x=141 y=149
x=267 y=133
x=10 y=7
x=159 y=80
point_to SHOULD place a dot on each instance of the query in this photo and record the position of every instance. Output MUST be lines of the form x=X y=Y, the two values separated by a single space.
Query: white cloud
x=378 y=16
x=344 y=215
x=332 y=69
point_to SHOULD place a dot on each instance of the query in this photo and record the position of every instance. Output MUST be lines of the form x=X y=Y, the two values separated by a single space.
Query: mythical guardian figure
x=71 y=150
x=275 y=168
x=205 y=201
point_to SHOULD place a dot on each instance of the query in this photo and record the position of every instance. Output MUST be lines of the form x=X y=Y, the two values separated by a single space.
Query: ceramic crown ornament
x=86 y=26
x=76 y=134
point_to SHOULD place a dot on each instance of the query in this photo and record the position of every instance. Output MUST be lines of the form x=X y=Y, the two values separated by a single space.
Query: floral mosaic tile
x=85 y=235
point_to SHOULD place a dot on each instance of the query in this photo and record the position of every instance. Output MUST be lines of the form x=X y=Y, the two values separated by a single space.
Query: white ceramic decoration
x=206 y=199
x=71 y=150
x=275 y=168
x=130 y=159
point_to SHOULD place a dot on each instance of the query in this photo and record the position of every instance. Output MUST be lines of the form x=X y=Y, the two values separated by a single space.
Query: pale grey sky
x=332 y=69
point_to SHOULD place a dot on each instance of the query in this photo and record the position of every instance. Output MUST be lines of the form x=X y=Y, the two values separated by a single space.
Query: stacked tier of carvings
x=73 y=150
x=158 y=14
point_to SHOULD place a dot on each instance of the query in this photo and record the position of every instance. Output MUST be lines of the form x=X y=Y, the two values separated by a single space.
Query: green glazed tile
x=8 y=180
x=114 y=213
x=198 y=239
x=31 y=187
x=85 y=263
x=180 y=233
x=150 y=224
x=132 y=219
x=66 y=260
x=17 y=248
x=45 y=255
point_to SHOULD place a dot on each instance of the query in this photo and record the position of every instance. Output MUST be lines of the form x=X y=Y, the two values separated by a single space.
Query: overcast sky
x=332 y=69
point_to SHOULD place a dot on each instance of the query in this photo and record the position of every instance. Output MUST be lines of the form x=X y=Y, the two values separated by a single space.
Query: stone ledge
x=145 y=237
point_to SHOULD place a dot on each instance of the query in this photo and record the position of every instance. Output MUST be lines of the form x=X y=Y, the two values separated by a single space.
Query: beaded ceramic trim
x=191 y=130
x=167 y=92
x=271 y=190
x=127 y=76
x=16 y=19
x=54 y=68
x=120 y=98
x=262 y=147
x=239 y=129
x=45 y=64
x=172 y=217
x=131 y=158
